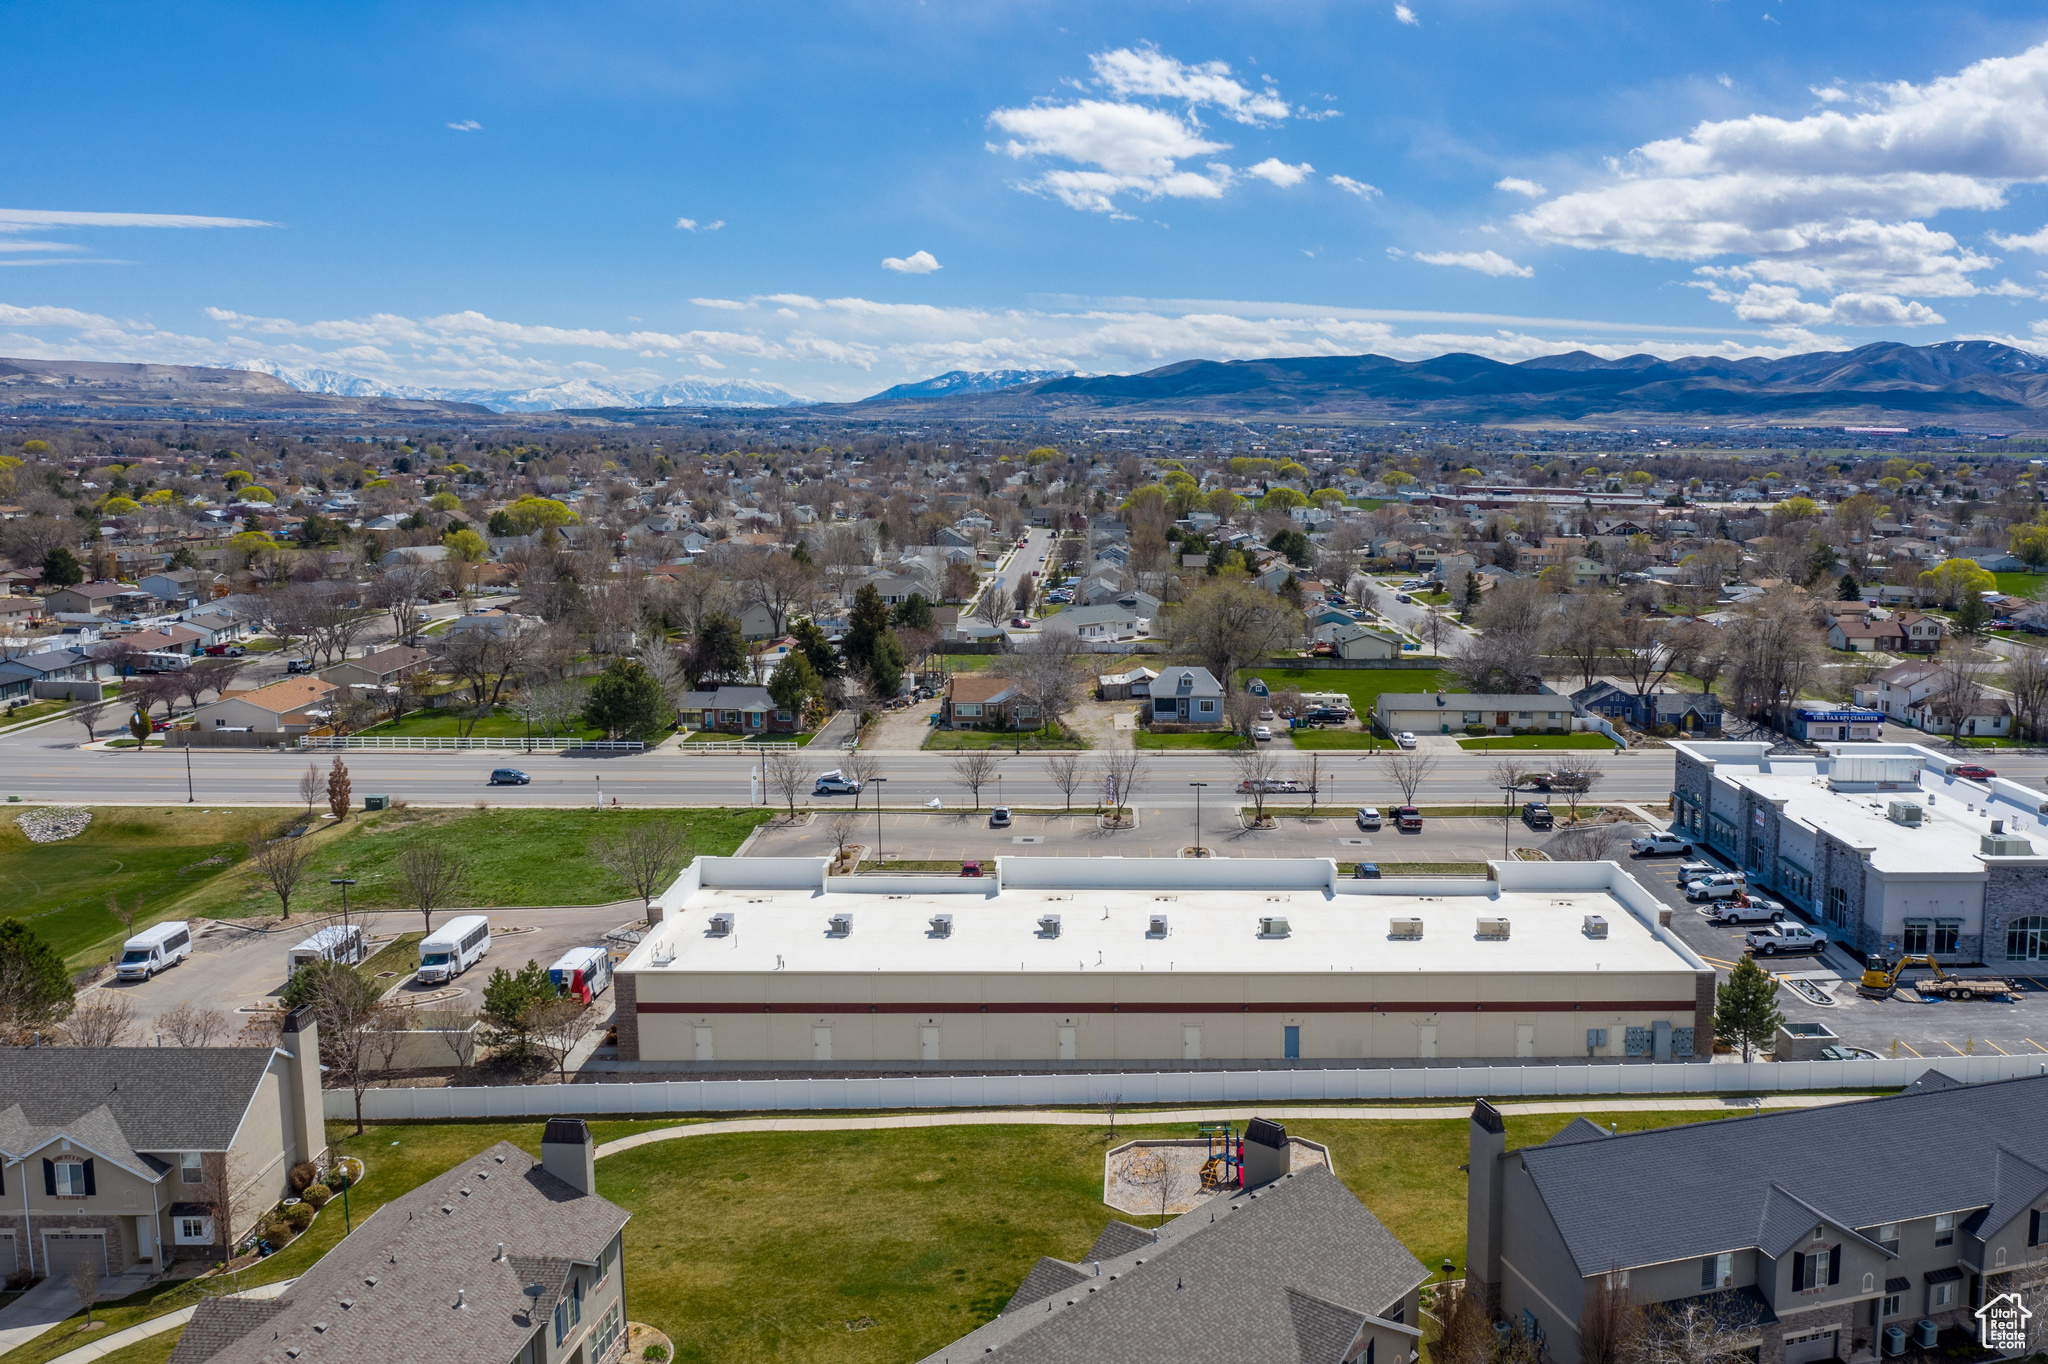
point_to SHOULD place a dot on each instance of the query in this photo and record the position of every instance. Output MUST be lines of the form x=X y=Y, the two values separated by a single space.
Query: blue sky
x=837 y=198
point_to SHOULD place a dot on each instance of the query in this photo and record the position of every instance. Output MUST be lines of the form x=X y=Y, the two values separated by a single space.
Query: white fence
x=538 y=743
x=1165 y=1087
x=743 y=746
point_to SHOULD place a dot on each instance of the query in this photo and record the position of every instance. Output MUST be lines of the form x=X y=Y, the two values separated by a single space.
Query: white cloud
x=468 y=125
x=38 y=246
x=692 y=225
x=1149 y=72
x=1406 y=15
x=1358 y=187
x=1834 y=203
x=1278 y=172
x=1514 y=184
x=23 y=219
x=2034 y=241
x=1725 y=81
x=727 y=303
x=1831 y=94
x=1485 y=262
x=917 y=263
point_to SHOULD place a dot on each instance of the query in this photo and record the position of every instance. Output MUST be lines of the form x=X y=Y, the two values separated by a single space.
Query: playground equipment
x=1223 y=1165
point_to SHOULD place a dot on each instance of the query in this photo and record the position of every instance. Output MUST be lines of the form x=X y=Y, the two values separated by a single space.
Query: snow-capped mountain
x=959 y=381
x=690 y=391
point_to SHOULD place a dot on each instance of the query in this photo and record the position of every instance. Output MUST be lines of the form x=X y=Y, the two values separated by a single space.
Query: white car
x=1404 y=740
x=1745 y=909
x=1261 y=733
x=1368 y=818
x=1270 y=785
x=1651 y=844
x=1722 y=885
x=836 y=784
x=1688 y=872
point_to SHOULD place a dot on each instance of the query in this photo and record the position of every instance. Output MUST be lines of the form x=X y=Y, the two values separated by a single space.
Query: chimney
x=1488 y=1143
x=567 y=1153
x=300 y=1037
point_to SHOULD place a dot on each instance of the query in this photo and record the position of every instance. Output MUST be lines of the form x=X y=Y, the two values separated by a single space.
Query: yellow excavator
x=1881 y=978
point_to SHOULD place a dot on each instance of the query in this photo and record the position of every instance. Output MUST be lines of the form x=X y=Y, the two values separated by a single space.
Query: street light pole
x=877 y=781
x=1507 y=815
x=188 y=769
x=344 y=882
x=1200 y=851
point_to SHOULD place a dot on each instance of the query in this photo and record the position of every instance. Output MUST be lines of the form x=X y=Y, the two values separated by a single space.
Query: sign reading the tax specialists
x=2002 y=1324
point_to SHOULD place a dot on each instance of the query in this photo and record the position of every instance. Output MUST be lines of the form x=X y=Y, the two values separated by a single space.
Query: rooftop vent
x=1272 y=928
x=840 y=925
x=1048 y=925
x=1155 y=927
x=1404 y=928
x=721 y=924
x=2005 y=845
x=1596 y=926
x=942 y=925
x=1494 y=930
x=1904 y=812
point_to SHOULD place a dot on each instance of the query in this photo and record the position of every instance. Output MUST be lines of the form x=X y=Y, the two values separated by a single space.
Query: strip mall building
x=1058 y=962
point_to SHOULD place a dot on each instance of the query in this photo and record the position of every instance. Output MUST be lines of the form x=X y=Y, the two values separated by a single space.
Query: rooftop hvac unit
x=1404 y=928
x=1155 y=927
x=1596 y=926
x=840 y=925
x=721 y=924
x=942 y=925
x=1904 y=812
x=1048 y=925
x=2005 y=845
x=1272 y=928
x=1495 y=929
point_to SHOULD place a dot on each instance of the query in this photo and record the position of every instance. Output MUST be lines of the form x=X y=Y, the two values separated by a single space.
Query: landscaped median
x=1504 y=743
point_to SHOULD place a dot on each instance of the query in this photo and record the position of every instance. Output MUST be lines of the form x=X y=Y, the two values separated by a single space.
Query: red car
x=1974 y=772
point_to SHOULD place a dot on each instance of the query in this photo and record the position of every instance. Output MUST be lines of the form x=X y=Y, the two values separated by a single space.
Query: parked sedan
x=999 y=818
x=1974 y=772
x=1262 y=733
x=509 y=776
x=1404 y=740
x=1368 y=818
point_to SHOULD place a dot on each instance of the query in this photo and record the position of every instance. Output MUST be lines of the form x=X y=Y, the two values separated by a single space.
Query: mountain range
x=966 y=381
x=1975 y=382
x=567 y=395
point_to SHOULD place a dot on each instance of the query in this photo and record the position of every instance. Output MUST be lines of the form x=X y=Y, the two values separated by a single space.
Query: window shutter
x=2033 y=1226
x=1798 y=1272
x=1707 y=1273
x=50 y=1177
x=1834 y=1253
x=89 y=1186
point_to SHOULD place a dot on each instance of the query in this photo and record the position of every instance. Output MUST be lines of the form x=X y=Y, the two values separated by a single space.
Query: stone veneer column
x=626 y=1013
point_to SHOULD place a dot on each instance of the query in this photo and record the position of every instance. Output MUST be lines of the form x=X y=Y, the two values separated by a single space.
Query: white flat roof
x=1340 y=927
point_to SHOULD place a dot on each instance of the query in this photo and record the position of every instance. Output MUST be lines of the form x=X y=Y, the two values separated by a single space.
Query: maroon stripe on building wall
x=1082 y=1007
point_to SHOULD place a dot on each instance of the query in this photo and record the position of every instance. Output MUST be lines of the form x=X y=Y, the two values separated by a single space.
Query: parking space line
x=2035 y=1045
x=1953 y=1047
x=1909 y=1047
x=1995 y=1047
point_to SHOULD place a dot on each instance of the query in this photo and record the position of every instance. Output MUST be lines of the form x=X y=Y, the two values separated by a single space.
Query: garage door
x=1807 y=1348
x=63 y=1251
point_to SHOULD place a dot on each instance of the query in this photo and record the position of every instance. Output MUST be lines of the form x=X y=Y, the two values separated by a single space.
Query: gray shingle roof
x=1289 y=1272
x=1699 y=1189
x=402 y=1269
x=155 y=1098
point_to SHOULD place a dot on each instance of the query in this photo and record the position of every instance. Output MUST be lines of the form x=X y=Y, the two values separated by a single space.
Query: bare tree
x=1583 y=630
x=1047 y=673
x=863 y=767
x=1258 y=771
x=2026 y=677
x=312 y=786
x=1241 y=711
x=345 y=1007
x=280 y=864
x=1574 y=775
x=1607 y=1319
x=1687 y=1333
x=789 y=776
x=552 y=705
x=1408 y=769
x=431 y=871
x=1225 y=626
x=1123 y=771
x=399 y=590
x=1959 y=689
x=89 y=716
x=561 y=1025
x=988 y=607
x=1589 y=843
x=190 y=1025
x=974 y=768
x=1774 y=649
x=485 y=659
x=1067 y=774
x=645 y=856
x=841 y=828
x=338 y=789
x=102 y=1021
x=1438 y=629
x=84 y=1282
x=127 y=913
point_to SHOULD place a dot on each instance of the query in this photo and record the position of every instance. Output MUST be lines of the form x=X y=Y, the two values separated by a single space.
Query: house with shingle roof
x=134 y=1156
x=289 y=707
x=504 y=1257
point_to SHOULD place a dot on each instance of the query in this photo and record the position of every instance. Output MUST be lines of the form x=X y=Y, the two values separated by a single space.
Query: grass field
x=1146 y=739
x=34 y=710
x=426 y=724
x=713 y=736
x=1031 y=741
x=1509 y=742
x=182 y=863
x=1362 y=685
x=1314 y=740
x=2019 y=584
x=401 y=954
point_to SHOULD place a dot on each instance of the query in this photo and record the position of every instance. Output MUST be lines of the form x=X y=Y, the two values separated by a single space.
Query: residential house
x=18 y=613
x=504 y=1257
x=1897 y=632
x=1445 y=713
x=982 y=701
x=1994 y=560
x=1590 y=573
x=181 y=586
x=1687 y=712
x=1092 y=624
x=285 y=709
x=1134 y=684
x=757 y=622
x=895 y=588
x=1348 y=639
x=1909 y=694
x=1928 y=1204
x=496 y=621
x=413 y=554
x=734 y=710
x=136 y=1156
x=1187 y=695
x=1294 y=1268
x=97 y=599
x=386 y=667
x=167 y=639
x=46 y=673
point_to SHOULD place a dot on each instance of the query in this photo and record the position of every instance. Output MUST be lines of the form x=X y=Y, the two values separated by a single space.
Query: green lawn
x=445 y=724
x=1362 y=685
x=34 y=710
x=949 y=740
x=1310 y=740
x=712 y=736
x=1508 y=742
x=1146 y=739
x=401 y=955
x=2019 y=584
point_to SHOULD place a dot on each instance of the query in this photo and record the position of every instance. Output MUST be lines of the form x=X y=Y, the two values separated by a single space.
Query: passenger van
x=154 y=949
x=582 y=972
x=342 y=942
x=453 y=948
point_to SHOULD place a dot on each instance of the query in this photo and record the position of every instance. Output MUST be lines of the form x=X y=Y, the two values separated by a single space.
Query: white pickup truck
x=1651 y=844
x=1781 y=937
x=1747 y=908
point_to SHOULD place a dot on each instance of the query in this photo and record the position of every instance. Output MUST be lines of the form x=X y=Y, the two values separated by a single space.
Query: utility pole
x=188 y=769
x=1200 y=851
x=877 y=781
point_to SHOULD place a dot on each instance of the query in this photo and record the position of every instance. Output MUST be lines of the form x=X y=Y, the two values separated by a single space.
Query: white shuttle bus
x=340 y=942
x=155 y=949
x=453 y=948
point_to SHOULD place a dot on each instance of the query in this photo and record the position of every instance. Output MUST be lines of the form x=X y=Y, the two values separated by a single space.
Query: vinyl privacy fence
x=1164 y=1087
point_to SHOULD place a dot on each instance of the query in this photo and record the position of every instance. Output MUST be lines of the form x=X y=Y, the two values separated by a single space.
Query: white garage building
x=1078 y=962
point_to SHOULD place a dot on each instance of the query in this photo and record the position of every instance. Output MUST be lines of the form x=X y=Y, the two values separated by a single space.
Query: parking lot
x=1930 y=1027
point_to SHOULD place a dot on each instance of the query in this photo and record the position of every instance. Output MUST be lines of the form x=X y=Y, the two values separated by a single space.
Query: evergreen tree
x=914 y=612
x=39 y=988
x=1972 y=615
x=802 y=553
x=625 y=699
x=61 y=569
x=1746 y=1008
x=867 y=623
x=512 y=1005
x=1849 y=589
x=718 y=653
x=794 y=684
x=810 y=638
x=1294 y=545
x=885 y=665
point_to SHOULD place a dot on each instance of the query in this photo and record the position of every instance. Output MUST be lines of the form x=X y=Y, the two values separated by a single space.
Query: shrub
x=1475 y=730
x=278 y=1231
x=318 y=1194
x=304 y=1173
x=655 y=1353
x=300 y=1215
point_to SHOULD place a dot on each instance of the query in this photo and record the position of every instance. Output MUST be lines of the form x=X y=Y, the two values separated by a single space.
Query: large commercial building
x=1084 y=962
x=1882 y=843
